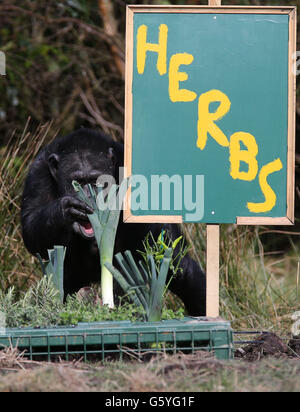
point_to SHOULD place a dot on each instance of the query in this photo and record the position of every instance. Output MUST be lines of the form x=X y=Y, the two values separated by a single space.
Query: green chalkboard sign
x=210 y=106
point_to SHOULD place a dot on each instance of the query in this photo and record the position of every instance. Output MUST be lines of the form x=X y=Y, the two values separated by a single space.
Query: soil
x=294 y=345
x=269 y=345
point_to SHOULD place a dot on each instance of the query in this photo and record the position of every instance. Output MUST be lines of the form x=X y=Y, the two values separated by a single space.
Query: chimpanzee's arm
x=43 y=228
x=51 y=225
x=47 y=218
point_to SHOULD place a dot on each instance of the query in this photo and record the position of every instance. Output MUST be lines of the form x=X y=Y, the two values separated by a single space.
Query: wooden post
x=213 y=255
x=212 y=270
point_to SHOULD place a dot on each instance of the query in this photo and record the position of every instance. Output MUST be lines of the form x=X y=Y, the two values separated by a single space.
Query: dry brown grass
x=165 y=373
x=11 y=359
x=17 y=267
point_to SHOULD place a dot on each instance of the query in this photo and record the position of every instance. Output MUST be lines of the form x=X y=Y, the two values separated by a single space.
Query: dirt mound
x=294 y=345
x=266 y=345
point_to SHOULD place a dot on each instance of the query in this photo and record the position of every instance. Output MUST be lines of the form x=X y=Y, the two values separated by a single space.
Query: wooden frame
x=291 y=11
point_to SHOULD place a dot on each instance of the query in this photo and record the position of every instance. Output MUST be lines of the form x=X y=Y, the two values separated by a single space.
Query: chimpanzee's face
x=85 y=168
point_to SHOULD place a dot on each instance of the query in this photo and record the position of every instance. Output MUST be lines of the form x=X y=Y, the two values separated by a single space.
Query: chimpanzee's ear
x=53 y=165
x=111 y=154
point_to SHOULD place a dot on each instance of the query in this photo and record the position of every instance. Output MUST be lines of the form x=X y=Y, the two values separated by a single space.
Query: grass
x=177 y=373
x=258 y=290
x=17 y=266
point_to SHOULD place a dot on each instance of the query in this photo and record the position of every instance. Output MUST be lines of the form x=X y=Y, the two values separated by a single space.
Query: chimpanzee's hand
x=74 y=209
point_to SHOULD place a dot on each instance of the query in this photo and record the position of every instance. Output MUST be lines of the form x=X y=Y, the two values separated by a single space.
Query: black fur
x=50 y=211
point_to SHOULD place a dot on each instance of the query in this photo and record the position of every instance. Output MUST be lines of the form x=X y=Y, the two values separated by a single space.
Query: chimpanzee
x=53 y=215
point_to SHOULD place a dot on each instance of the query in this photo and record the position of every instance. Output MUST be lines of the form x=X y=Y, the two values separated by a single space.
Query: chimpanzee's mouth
x=85 y=229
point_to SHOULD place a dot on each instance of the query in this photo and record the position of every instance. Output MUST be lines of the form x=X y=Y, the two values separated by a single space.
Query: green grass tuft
x=258 y=290
x=17 y=267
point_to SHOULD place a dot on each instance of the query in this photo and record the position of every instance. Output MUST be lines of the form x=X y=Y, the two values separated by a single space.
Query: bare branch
x=111 y=29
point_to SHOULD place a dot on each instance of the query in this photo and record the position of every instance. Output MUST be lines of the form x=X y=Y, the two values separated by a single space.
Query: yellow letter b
x=248 y=156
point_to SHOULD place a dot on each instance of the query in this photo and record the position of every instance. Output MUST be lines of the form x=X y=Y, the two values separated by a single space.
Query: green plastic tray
x=116 y=339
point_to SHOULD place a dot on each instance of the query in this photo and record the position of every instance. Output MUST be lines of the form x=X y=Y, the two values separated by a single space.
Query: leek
x=104 y=221
x=54 y=268
x=143 y=284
